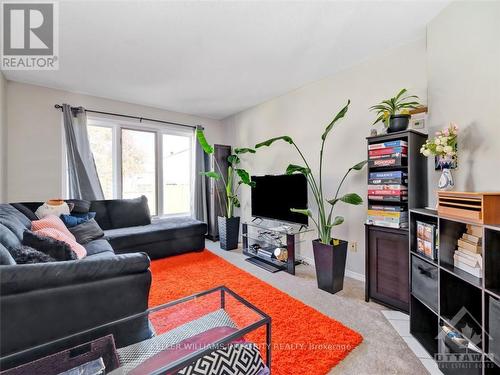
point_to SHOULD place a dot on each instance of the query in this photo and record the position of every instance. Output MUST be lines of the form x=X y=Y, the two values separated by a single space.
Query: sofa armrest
x=27 y=277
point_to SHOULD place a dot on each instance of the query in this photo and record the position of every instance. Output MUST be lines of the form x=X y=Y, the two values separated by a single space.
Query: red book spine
x=388 y=151
x=386 y=192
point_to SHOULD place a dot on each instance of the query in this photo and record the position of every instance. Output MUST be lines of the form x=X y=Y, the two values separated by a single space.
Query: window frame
x=117 y=126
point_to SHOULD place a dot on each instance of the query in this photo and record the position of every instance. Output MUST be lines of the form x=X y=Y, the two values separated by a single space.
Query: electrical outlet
x=353 y=246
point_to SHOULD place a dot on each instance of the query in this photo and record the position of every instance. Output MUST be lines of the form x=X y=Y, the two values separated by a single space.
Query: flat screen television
x=274 y=196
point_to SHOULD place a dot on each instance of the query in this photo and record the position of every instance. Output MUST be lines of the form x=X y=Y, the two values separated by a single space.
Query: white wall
x=303 y=115
x=463 y=64
x=3 y=137
x=35 y=136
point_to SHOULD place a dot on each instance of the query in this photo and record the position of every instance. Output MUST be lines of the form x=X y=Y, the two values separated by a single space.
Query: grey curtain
x=200 y=192
x=83 y=179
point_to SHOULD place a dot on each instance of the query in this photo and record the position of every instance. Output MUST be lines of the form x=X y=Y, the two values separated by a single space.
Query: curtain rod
x=60 y=107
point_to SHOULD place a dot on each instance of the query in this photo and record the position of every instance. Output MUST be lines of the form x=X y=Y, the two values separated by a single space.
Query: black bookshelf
x=464 y=300
x=386 y=249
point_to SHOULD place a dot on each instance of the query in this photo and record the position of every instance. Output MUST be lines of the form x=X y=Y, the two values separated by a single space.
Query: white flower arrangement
x=444 y=145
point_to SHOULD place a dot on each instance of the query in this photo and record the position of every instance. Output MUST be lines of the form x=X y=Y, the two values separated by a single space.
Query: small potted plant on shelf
x=444 y=148
x=329 y=253
x=395 y=112
x=229 y=225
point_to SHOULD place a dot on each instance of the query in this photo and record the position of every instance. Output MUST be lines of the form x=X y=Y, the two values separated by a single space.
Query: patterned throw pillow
x=234 y=359
x=27 y=255
x=52 y=222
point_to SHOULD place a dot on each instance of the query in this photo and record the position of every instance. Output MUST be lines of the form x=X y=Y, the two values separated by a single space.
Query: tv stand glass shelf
x=271 y=245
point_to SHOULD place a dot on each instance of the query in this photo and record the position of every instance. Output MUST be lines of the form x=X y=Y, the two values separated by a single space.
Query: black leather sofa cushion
x=80 y=206
x=27 y=277
x=100 y=246
x=8 y=238
x=121 y=213
x=101 y=214
x=160 y=230
x=7 y=211
x=27 y=209
x=5 y=256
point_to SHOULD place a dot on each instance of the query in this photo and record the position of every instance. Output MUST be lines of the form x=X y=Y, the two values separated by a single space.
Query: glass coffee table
x=185 y=332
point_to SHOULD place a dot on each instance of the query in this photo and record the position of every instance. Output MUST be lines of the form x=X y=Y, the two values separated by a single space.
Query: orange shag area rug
x=304 y=341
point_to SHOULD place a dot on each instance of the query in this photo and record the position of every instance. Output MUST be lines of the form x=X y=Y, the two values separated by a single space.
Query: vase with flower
x=444 y=148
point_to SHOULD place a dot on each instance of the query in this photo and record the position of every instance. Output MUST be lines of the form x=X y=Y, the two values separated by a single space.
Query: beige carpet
x=383 y=351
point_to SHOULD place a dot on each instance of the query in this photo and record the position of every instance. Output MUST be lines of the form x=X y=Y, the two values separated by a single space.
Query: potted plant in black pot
x=329 y=254
x=229 y=225
x=395 y=112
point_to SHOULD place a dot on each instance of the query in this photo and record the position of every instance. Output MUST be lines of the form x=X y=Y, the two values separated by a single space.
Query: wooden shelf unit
x=457 y=290
x=386 y=249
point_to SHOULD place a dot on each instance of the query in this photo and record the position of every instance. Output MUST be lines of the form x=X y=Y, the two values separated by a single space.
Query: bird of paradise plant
x=324 y=220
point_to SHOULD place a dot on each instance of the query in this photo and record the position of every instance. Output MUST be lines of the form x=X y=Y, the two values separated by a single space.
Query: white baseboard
x=348 y=273
x=355 y=275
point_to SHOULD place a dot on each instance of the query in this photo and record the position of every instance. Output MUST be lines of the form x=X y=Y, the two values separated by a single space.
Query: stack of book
x=387 y=216
x=388 y=186
x=387 y=154
x=468 y=255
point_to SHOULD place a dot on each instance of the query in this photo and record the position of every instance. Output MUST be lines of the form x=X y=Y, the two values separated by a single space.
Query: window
x=101 y=144
x=139 y=166
x=134 y=160
x=176 y=177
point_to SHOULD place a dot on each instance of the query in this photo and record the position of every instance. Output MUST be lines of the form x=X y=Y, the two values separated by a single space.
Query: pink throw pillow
x=54 y=222
x=60 y=236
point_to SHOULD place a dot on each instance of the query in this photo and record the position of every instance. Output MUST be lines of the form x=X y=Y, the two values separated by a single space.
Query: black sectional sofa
x=47 y=301
x=128 y=227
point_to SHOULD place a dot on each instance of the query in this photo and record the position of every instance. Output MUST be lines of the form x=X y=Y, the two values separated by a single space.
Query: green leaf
x=399 y=94
x=337 y=221
x=211 y=174
x=244 y=177
x=352 y=198
x=380 y=118
x=292 y=168
x=359 y=166
x=200 y=135
x=269 y=142
x=244 y=150
x=339 y=115
x=302 y=211
x=233 y=159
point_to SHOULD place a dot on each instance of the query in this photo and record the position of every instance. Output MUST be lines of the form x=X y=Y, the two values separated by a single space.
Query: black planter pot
x=398 y=123
x=330 y=265
x=229 y=232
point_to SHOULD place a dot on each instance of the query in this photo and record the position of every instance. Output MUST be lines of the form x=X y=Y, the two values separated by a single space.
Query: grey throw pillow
x=87 y=231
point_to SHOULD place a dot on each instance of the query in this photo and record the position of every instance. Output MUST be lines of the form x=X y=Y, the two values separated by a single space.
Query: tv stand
x=261 y=240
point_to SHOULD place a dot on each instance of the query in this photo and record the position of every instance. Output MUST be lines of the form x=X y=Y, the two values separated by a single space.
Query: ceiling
x=214 y=59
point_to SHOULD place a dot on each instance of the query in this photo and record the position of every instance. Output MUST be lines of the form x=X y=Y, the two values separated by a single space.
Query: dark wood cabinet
x=387 y=266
